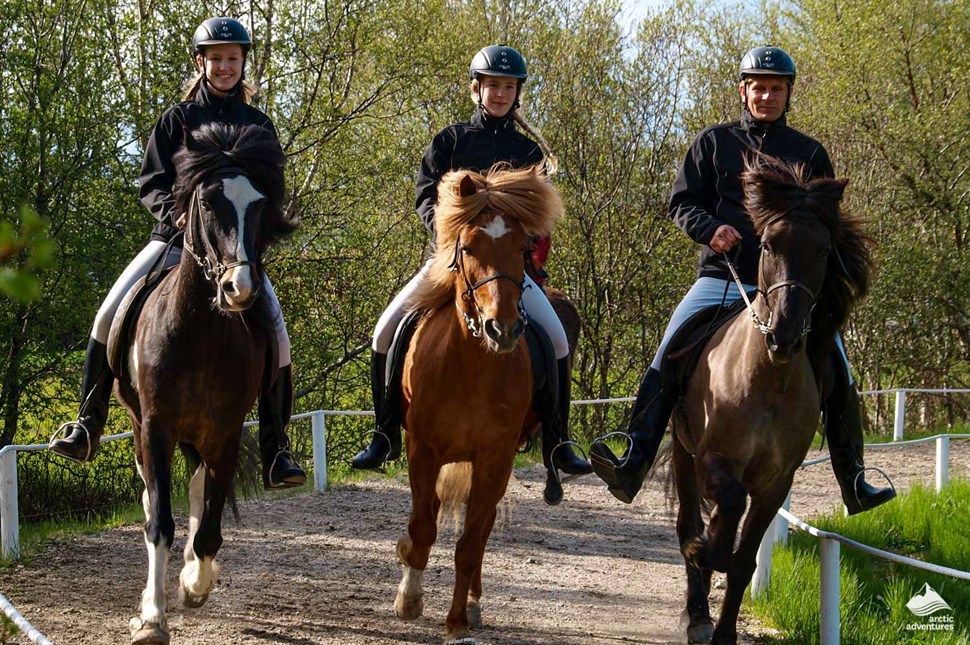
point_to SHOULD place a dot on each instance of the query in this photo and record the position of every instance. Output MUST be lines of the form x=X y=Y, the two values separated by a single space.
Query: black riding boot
x=280 y=469
x=83 y=436
x=651 y=412
x=843 y=429
x=386 y=443
x=557 y=449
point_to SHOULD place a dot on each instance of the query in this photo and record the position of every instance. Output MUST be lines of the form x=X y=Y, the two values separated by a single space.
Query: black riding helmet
x=768 y=60
x=764 y=61
x=220 y=31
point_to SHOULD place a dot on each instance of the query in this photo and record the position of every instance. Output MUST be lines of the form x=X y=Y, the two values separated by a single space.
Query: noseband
x=468 y=295
x=212 y=266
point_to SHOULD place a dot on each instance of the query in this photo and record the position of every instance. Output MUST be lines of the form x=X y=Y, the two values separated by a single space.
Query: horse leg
x=208 y=490
x=489 y=481
x=474 y=605
x=413 y=549
x=721 y=486
x=155 y=469
x=743 y=564
x=690 y=526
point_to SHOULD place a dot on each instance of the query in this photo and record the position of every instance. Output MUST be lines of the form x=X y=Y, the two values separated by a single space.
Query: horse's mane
x=253 y=148
x=773 y=189
x=466 y=197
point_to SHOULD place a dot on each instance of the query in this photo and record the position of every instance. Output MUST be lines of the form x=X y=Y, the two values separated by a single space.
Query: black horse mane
x=255 y=149
x=773 y=189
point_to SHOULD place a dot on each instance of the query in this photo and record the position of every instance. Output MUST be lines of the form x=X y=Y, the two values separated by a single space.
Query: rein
x=212 y=269
x=468 y=295
x=766 y=327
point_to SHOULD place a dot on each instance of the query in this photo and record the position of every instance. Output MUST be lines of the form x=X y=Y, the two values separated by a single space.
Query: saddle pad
x=123 y=323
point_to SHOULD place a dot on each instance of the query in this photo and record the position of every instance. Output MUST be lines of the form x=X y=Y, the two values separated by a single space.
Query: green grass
x=874 y=592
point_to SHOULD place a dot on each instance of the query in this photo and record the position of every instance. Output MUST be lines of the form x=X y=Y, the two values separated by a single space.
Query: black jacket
x=158 y=173
x=476 y=144
x=707 y=192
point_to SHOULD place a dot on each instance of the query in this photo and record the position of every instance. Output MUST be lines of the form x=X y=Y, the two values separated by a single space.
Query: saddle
x=685 y=348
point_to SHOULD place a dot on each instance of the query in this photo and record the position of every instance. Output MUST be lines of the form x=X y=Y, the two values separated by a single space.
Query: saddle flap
x=685 y=348
x=123 y=323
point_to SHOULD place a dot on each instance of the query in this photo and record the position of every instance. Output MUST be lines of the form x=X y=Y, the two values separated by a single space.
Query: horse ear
x=466 y=186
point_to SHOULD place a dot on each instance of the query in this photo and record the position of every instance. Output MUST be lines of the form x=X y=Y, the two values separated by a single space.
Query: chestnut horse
x=467 y=381
x=751 y=407
x=202 y=347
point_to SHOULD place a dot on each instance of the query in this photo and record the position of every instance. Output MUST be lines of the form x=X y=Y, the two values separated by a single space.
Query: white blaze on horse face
x=240 y=193
x=496 y=228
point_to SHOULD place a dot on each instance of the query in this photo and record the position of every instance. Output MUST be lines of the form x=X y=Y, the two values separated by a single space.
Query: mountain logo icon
x=927 y=602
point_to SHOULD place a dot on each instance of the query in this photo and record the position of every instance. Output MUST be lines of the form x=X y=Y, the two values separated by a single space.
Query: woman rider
x=497 y=74
x=218 y=93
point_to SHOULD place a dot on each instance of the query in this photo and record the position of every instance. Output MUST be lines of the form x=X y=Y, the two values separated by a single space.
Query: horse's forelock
x=217 y=146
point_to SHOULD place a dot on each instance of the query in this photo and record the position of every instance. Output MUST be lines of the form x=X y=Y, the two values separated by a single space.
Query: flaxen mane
x=254 y=149
x=525 y=196
x=775 y=189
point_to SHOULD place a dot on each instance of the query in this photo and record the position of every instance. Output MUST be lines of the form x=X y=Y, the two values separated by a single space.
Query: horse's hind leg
x=155 y=467
x=720 y=485
x=743 y=564
x=413 y=549
x=690 y=526
x=489 y=481
x=207 y=498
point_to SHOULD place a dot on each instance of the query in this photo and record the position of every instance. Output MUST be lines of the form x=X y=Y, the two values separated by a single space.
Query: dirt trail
x=310 y=569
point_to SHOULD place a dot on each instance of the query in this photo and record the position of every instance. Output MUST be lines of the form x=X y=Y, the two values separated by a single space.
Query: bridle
x=765 y=327
x=212 y=266
x=468 y=295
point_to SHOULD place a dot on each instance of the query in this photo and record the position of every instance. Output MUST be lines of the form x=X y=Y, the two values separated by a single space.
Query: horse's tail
x=454 y=485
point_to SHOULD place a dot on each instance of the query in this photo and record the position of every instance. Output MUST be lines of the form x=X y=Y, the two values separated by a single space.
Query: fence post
x=762 y=568
x=900 y=418
x=781 y=524
x=829 y=618
x=9 y=510
x=319 y=426
x=942 y=462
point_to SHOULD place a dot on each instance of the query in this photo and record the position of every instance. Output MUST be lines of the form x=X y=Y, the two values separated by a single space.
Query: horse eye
x=466 y=250
x=205 y=205
x=766 y=249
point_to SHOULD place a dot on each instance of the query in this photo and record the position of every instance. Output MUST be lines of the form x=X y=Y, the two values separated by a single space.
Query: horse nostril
x=770 y=340
x=492 y=329
x=518 y=328
x=229 y=287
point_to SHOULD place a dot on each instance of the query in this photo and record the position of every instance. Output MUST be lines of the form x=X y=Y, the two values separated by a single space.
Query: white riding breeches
x=704 y=293
x=141 y=265
x=534 y=302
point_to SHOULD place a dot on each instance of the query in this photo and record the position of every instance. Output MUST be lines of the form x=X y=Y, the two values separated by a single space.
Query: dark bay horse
x=202 y=347
x=467 y=382
x=751 y=407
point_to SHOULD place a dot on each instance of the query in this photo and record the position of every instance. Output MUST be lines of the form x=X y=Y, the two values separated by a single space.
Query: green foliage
x=28 y=248
x=7 y=629
x=874 y=592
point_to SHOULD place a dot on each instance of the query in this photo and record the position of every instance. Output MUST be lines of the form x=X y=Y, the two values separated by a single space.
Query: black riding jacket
x=476 y=144
x=158 y=172
x=708 y=193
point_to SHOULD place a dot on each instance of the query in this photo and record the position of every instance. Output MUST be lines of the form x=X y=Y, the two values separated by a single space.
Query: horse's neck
x=192 y=291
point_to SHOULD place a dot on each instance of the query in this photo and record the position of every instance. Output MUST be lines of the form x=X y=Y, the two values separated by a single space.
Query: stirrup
x=62 y=432
x=855 y=482
x=387 y=454
x=629 y=446
x=272 y=484
x=555 y=471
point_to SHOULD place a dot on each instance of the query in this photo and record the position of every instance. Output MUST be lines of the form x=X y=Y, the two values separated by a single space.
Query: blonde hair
x=191 y=88
x=551 y=162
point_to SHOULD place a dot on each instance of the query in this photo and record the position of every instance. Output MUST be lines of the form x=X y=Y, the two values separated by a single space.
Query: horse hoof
x=700 y=633
x=192 y=601
x=474 y=612
x=148 y=633
x=408 y=607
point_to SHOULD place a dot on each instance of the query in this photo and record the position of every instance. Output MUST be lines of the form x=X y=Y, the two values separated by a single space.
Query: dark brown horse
x=467 y=383
x=752 y=405
x=201 y=350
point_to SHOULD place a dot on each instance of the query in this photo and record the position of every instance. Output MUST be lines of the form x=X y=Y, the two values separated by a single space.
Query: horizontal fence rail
x=25 y=628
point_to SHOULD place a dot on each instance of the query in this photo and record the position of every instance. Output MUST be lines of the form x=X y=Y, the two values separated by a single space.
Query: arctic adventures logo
x=926 y=603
